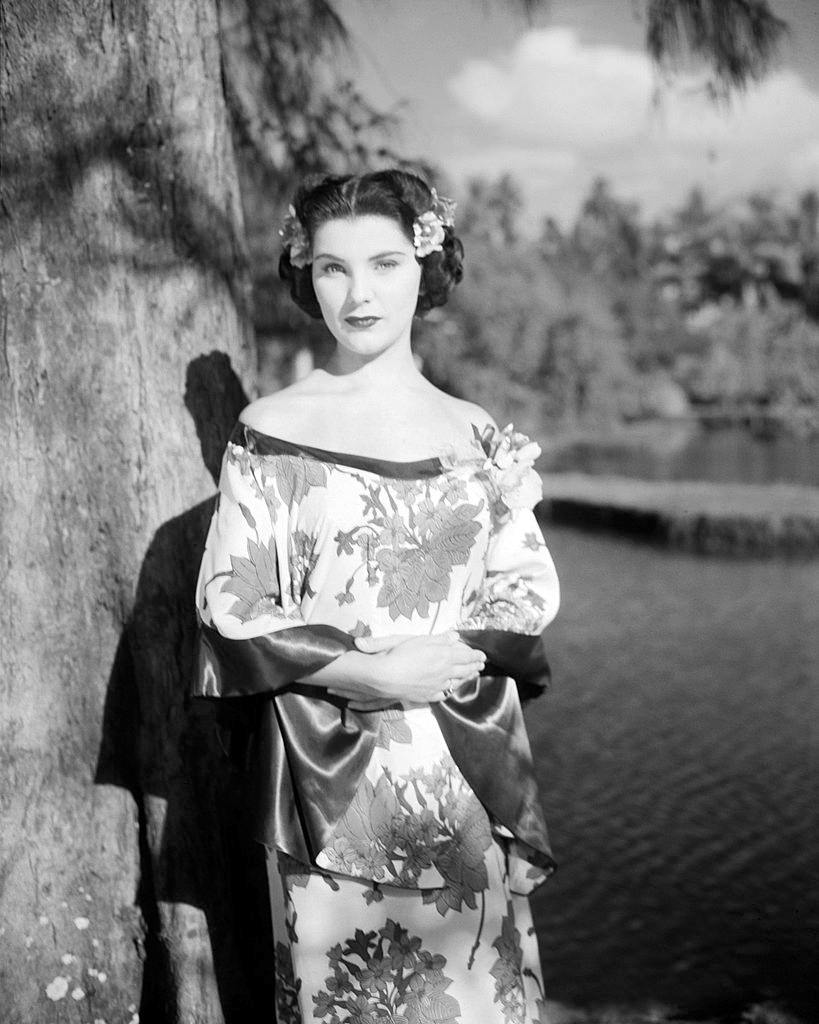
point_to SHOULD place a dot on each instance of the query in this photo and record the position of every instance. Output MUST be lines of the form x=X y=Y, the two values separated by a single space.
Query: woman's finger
x=470 y=667
x=467 y=656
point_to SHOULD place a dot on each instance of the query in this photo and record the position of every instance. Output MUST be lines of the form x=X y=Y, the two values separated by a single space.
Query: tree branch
x=737 y=38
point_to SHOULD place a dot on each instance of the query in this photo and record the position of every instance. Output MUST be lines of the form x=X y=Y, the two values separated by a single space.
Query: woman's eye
x=332 y=268
x=389 y=264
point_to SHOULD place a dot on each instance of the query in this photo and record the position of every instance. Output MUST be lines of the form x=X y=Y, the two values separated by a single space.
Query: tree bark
x=123 y=266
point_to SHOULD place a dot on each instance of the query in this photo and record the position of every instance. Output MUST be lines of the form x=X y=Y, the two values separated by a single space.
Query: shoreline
x=739 y=520
x=762 y=1012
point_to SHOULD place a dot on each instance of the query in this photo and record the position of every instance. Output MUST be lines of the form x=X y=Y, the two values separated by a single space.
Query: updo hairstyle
x=399 y=195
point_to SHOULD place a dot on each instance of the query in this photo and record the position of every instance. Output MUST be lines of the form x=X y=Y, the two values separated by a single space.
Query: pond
x=686 y=451
x=678 y=755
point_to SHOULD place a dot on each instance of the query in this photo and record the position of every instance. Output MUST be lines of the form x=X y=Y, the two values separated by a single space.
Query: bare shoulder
x=283 y=413
x=468 y=414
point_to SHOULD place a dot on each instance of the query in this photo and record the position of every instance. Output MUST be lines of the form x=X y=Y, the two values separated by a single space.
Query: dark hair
x=399 y=195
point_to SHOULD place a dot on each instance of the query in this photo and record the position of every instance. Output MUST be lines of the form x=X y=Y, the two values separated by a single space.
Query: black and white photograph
x=409 y=512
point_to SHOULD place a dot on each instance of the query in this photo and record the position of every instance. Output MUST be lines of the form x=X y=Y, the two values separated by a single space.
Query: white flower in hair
x=294 y=238
x=428 y=227
x=429 y=235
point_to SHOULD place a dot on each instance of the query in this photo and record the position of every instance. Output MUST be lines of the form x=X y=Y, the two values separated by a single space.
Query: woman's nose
x=360 y=288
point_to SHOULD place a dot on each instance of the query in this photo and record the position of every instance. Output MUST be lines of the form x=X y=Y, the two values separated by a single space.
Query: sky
x=570 y=95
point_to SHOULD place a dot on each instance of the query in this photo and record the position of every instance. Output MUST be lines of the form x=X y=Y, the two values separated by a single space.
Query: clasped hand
x=416 y=669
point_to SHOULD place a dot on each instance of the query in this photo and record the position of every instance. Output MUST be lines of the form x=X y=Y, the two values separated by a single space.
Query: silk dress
x=402 y=844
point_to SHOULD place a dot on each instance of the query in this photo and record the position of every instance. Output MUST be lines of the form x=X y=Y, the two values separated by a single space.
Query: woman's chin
x=366 y=342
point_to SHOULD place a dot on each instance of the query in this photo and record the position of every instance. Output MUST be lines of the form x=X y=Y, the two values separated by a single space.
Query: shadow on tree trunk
x=208 y=952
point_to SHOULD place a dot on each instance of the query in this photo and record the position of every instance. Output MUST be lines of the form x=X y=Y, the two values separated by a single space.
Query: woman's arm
x=416 y=669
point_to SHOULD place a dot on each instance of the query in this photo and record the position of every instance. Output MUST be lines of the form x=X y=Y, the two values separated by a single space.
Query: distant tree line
x=709 y=309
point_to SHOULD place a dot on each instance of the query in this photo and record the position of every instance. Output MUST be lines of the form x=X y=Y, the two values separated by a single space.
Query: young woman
x=375 y=567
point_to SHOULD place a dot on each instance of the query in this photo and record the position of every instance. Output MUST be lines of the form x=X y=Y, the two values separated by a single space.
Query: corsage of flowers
x=428 y=232
x=509 y=469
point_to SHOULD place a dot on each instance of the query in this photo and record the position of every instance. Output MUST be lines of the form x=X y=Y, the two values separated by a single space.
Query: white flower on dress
x=513 y=462
x=506 y=464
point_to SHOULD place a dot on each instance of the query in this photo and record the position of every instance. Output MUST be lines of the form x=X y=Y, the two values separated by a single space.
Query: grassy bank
x=708 y=518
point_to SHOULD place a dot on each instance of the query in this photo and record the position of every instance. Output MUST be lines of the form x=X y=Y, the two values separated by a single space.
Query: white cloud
x=557 y=113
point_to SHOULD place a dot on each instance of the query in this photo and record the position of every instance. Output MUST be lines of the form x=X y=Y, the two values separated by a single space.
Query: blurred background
x=641 y=295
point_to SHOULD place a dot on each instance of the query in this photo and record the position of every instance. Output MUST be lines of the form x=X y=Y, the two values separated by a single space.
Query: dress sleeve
x=252 y=636
x=519 y=594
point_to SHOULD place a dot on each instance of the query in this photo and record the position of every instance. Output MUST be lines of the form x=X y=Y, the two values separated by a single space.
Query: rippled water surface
x=678 y=755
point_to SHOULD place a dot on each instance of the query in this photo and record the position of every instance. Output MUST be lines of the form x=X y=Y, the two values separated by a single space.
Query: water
x=678 y=754
x=684 y=451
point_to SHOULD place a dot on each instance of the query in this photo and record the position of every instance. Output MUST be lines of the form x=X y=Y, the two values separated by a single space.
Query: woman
x=374 y=566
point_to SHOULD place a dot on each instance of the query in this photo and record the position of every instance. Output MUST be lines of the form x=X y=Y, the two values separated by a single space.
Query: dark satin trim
x=264 y=664
x=328 y=749
x=520 y=655
x=266 y=444
x=308 y=751
x=483 y=727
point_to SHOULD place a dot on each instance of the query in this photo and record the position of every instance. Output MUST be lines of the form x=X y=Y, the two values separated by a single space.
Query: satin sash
x=311 y=750
x=264 y=664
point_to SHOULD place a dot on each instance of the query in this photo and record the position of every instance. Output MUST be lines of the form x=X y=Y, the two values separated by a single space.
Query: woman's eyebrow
x=378 y=256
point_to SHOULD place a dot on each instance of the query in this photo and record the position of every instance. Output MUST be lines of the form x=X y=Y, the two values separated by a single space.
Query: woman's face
x=366 y=279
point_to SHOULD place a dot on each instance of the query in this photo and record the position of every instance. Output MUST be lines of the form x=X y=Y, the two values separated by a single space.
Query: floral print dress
x=414 y=909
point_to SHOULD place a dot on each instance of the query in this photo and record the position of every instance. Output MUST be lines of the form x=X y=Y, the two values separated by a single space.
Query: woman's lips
x=361 y=321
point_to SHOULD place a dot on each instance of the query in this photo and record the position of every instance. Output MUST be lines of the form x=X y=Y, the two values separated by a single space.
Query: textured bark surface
x=122 y=268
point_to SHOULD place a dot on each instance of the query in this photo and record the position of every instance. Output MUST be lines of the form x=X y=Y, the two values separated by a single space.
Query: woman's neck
x=385 y=369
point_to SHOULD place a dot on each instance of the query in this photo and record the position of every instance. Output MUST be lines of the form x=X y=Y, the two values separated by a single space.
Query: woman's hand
x=416 y=669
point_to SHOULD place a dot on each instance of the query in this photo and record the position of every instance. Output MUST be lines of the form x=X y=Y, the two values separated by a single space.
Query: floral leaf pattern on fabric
x=295 y=476
x=409 y=551
x=253 y=581
x=303 y=560
x=506 y=970
x=287 y=987
x=395 y=830
x=290 y=475
x=394 y=729
x=514 y=604
x=540 y=999
x=385 y=976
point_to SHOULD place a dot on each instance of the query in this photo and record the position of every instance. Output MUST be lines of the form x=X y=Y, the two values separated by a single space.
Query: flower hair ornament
x=428 y=228
x=294 y=238
x=427 y=231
